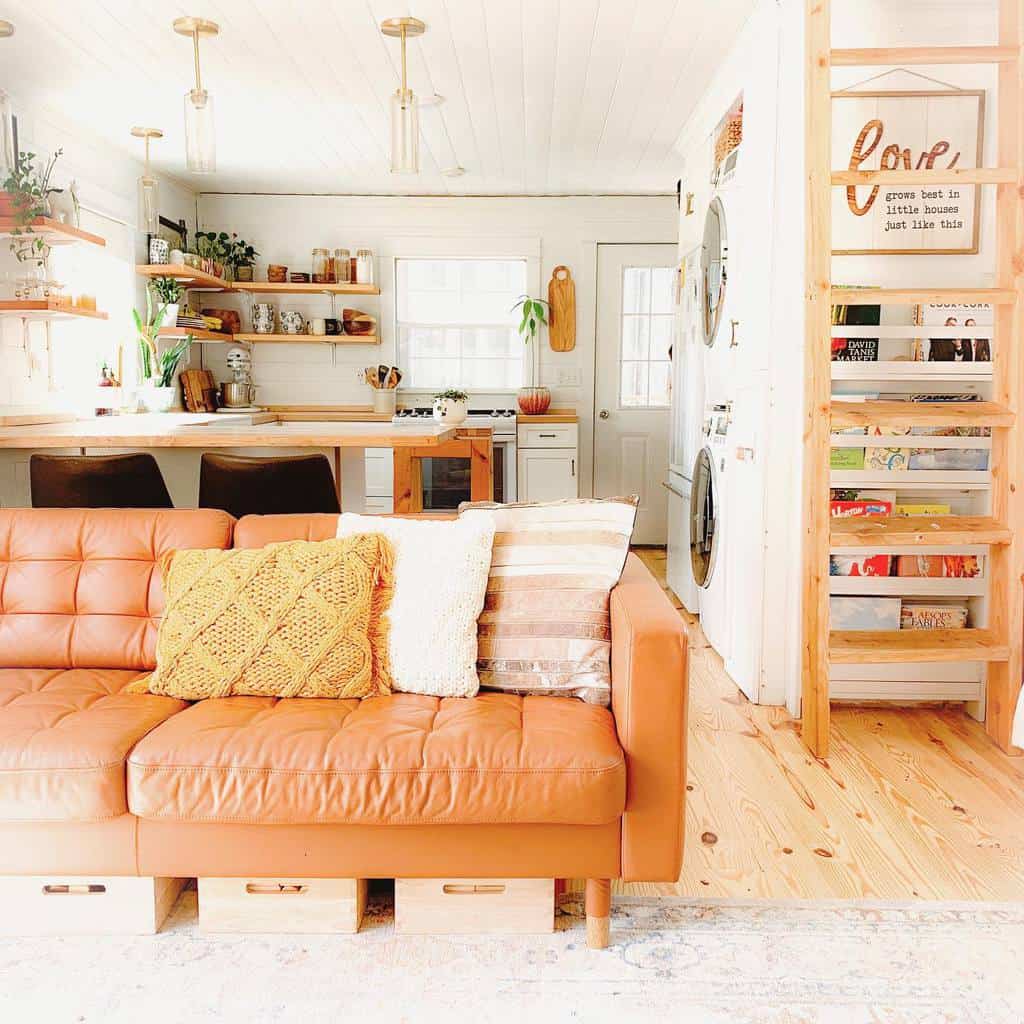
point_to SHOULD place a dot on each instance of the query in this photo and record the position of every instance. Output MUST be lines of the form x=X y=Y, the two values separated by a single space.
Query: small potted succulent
x=159 y=392
x=169 y=291
x=240 y=258
x=451 y=407
x=533 y=401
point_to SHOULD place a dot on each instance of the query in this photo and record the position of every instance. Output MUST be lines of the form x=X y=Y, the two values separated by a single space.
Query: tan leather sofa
x=93 y=780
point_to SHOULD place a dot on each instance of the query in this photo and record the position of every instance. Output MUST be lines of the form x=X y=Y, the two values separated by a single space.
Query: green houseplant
x=26 y=197
x=213 y=248
x=451 y=406
x=168 y=291
x=534 y=401
x=159 y=391
x=240 y=258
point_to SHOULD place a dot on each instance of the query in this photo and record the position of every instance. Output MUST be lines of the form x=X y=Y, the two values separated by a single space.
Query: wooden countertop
x=199 y=430
x=551 y=416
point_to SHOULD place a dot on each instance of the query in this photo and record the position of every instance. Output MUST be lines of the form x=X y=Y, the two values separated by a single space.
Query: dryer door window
x=702 y=519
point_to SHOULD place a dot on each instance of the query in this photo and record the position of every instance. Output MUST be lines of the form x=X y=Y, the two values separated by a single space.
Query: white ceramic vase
x=170 y=314
x=154 y=399
x=450 y=412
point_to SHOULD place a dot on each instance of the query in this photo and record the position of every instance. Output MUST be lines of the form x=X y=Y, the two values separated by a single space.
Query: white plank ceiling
x=541 y=96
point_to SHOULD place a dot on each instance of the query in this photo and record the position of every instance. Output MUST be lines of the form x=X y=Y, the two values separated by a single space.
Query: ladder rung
x=910 y=296
x=923 y=55
x=936 y=176
x=918 y=414
x=867 y=647
x=896 y=531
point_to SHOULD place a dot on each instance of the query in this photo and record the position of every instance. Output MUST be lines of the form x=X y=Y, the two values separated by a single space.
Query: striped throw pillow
x=545 y=628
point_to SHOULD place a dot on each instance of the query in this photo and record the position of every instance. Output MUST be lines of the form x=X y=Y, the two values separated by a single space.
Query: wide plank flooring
x=911 y=802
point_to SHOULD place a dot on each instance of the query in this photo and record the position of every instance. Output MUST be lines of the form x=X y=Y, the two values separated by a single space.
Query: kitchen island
x=345 y=440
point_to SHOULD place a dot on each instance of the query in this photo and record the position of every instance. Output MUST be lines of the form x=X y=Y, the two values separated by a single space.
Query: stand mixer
x=239 y=393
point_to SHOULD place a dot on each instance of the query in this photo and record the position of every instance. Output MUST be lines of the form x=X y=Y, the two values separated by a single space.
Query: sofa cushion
x=64 y=736
x=400 y=760
x=80 y=588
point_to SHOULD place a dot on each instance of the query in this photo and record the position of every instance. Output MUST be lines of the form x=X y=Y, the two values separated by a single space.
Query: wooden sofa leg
x=598 y=905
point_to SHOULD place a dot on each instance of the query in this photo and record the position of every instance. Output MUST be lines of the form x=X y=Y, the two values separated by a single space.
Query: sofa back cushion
x=258 y=531
x=80 y=588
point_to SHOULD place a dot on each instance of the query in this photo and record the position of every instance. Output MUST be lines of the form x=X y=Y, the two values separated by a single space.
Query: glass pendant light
x=200 y=143
x=148 y=184
x=405 y=120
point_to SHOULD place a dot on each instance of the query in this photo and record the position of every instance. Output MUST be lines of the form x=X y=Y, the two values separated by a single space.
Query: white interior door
x=632 y=393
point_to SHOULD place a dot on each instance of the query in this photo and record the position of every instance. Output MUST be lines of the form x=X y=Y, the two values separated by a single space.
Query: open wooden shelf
x=895 y=531
x=312 y=339
x=54 y=231
x=936 y=176
x=883 y=56
x=908 y=369
x=186 y=275
x=911 y=296
x=917 y=414
x=198 y=334
x=46 y=309
x=290 y=288
x=867 y=647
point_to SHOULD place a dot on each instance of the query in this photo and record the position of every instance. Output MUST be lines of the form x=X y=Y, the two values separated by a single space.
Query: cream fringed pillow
x=299 y=619
x=440 y=577
x=546 y=626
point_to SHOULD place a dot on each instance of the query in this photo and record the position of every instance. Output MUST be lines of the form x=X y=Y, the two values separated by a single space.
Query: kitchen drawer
x=379 y=472
x=557 y=435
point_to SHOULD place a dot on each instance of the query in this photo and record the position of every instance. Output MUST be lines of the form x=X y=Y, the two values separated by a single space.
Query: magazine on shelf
x=971 y=317
x=860 y=565
x=950 y=567
x=865 y=613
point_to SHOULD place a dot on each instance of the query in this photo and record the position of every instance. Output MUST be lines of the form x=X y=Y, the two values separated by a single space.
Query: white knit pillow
x=441 y=573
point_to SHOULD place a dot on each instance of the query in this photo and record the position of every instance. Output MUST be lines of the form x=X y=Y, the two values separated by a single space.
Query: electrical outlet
x=359 y=373
x=569 y=376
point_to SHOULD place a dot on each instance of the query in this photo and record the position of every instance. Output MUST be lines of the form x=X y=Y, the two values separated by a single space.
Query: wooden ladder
x=1000 y=643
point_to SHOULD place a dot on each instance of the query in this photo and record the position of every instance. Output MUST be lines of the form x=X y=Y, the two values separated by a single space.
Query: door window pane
x=646 y=336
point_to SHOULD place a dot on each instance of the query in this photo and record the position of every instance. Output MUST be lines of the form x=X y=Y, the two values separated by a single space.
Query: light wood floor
x=910 y=803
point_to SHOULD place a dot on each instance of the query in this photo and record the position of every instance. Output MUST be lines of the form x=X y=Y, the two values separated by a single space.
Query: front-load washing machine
x=709 y=508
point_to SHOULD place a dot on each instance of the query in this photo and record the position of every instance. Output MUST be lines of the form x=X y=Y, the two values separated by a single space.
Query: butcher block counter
x=346 y=439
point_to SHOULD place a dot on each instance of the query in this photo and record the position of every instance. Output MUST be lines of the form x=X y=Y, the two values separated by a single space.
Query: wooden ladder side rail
x=818 y=381
x=1006 y=597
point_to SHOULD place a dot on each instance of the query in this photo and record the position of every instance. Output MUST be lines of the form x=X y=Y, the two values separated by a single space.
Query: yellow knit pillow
x=299 y=619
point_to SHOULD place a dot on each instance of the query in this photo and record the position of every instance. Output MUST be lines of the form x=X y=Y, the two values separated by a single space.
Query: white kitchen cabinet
x=547 y=474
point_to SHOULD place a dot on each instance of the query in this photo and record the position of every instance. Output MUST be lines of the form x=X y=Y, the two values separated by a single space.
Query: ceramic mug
x=291 y=322
x=318 y=326
x=262 y=318
x=159 y=250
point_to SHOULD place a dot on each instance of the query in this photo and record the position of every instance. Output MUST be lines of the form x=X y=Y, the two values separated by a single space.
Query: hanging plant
x=28 y=188
x=534 y=316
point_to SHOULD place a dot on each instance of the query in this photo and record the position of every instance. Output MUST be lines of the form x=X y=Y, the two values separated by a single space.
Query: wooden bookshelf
x=920 y=414
x=893 y=531
x=866 y=647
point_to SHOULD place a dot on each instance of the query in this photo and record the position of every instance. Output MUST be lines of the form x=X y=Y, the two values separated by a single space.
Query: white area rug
x=676 y=960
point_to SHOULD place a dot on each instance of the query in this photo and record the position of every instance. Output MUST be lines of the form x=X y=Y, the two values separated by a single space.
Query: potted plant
x=451 y=407
x=240 y=258
x=212 y=247
x=533 y=401
x=26 y=196
x=169 y=291
x=159 y=391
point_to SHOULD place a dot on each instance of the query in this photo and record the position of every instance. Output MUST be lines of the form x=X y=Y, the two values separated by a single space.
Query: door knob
x=603 y=414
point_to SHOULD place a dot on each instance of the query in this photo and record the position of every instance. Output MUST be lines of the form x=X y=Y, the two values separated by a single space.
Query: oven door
x=446 y=479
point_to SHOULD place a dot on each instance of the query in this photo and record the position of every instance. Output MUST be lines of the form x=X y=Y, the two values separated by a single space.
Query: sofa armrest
x=649 y=701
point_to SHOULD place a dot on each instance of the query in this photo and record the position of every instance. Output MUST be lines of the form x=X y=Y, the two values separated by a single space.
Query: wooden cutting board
x=562 y=315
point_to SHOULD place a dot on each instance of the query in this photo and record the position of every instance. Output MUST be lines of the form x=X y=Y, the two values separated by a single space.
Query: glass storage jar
x=342 y=266
x=364 y=266
x=321 y=266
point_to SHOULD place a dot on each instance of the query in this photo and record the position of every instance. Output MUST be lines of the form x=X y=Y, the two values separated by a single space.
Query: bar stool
x=247 y=485
x=97 y=481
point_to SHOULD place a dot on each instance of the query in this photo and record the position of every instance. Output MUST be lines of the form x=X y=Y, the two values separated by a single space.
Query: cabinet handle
x=572 y=462
x=547 y=435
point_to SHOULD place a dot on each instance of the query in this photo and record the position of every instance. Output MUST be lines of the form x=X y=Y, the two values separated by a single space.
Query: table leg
x=408 y=482
x=481 y=469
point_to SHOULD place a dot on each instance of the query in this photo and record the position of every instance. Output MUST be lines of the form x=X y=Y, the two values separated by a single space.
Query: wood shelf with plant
x=55 y=232
x=307 y=339
x=47 y=309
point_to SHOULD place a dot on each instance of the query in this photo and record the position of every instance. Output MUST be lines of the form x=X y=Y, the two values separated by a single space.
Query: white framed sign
x=907 y=130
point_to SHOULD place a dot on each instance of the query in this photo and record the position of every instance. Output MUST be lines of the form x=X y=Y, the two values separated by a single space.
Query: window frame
x=649 y=316
x=527 y=249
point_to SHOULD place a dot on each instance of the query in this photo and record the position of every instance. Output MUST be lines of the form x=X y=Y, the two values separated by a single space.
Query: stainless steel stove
x=446 y=478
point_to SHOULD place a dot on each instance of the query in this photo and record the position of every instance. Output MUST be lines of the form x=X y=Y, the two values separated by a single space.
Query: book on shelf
x=949 y=567
x=854 y=350
x=864 y=613
x=972 y=318
x=928 y=508
x=847 y=458
x=932 y=616
x=859 y=507
x=950 y=459
x=859 y=565
x=886 y=459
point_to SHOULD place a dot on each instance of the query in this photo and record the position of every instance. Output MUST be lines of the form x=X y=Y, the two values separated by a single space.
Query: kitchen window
x=455 y=323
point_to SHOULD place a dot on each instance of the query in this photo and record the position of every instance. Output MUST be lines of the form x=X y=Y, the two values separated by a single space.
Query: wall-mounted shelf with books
x=903 y=586
x=909 y=371
x=911 y=479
